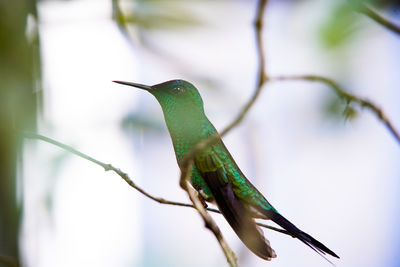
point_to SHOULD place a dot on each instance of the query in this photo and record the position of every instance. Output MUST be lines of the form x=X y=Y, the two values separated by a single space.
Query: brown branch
x=348 y=97
x=125 y=177
x=187 y=161
x=261 y=78
x=108 y=167
x=208 y=220
x=186 y=165
x=364 y=9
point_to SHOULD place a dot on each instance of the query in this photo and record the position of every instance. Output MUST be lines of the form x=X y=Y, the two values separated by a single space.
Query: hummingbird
x=215 y=174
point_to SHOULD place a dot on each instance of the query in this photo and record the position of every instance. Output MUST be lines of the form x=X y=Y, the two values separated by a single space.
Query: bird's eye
x=178 y=90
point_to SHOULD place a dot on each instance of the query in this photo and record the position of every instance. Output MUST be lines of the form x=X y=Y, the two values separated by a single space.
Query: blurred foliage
x=340 y=27
x=20 y=73
x=20 y=77
x=343 y=23
x=137 y=18
x=391 y=5
x=335 y=108
x=350 y=112
x=153 y=14
x=337 y=32
x=141 y=122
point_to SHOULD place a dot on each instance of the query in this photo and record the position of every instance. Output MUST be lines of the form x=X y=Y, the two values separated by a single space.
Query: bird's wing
x=215 y=176
x=259 y=206
x=242 y=187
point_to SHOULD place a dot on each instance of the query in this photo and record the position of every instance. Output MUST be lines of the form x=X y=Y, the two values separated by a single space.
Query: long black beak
x=138 y=85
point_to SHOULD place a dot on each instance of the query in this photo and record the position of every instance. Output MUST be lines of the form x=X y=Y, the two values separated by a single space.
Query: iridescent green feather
x=215 y=171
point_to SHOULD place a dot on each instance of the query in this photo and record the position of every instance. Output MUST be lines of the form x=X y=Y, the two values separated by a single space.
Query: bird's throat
x=186 y=133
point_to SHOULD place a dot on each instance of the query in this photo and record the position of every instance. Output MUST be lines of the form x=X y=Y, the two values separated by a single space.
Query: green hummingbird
x=215 y=175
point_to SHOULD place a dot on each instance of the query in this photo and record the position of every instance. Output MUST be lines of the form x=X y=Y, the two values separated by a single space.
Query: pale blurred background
x=335 y=178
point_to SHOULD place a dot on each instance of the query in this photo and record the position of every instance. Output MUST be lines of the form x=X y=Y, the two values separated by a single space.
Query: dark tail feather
x=302 y=236
x=237 y=216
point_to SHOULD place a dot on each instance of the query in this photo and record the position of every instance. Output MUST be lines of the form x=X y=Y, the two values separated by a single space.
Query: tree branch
x=187 y=161
x=108 y=167
x=185 y=173
x=208 y=220
x=366 y=10
x=348 y=97
x=126 y=178
x=261 y=78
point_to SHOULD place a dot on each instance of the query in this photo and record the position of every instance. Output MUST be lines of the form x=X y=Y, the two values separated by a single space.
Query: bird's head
x=178 y=98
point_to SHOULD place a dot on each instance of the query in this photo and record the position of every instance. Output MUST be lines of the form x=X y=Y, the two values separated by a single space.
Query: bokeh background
x=334 y=176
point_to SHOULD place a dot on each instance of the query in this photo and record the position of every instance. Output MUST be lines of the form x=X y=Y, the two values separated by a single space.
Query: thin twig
x=108 y=167
x=187 y=162
x=261 y=78
x=208 y=220
x=125 y=177
x=369 y=12
x=348 y=97
x=185 y=173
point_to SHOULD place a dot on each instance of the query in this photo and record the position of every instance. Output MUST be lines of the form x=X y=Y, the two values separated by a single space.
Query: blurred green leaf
x=333 y=107
x=20 y=76
x=349 y=113
x=155 y=14
x=336 y=108
x=340 y=27
x=139 y=122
